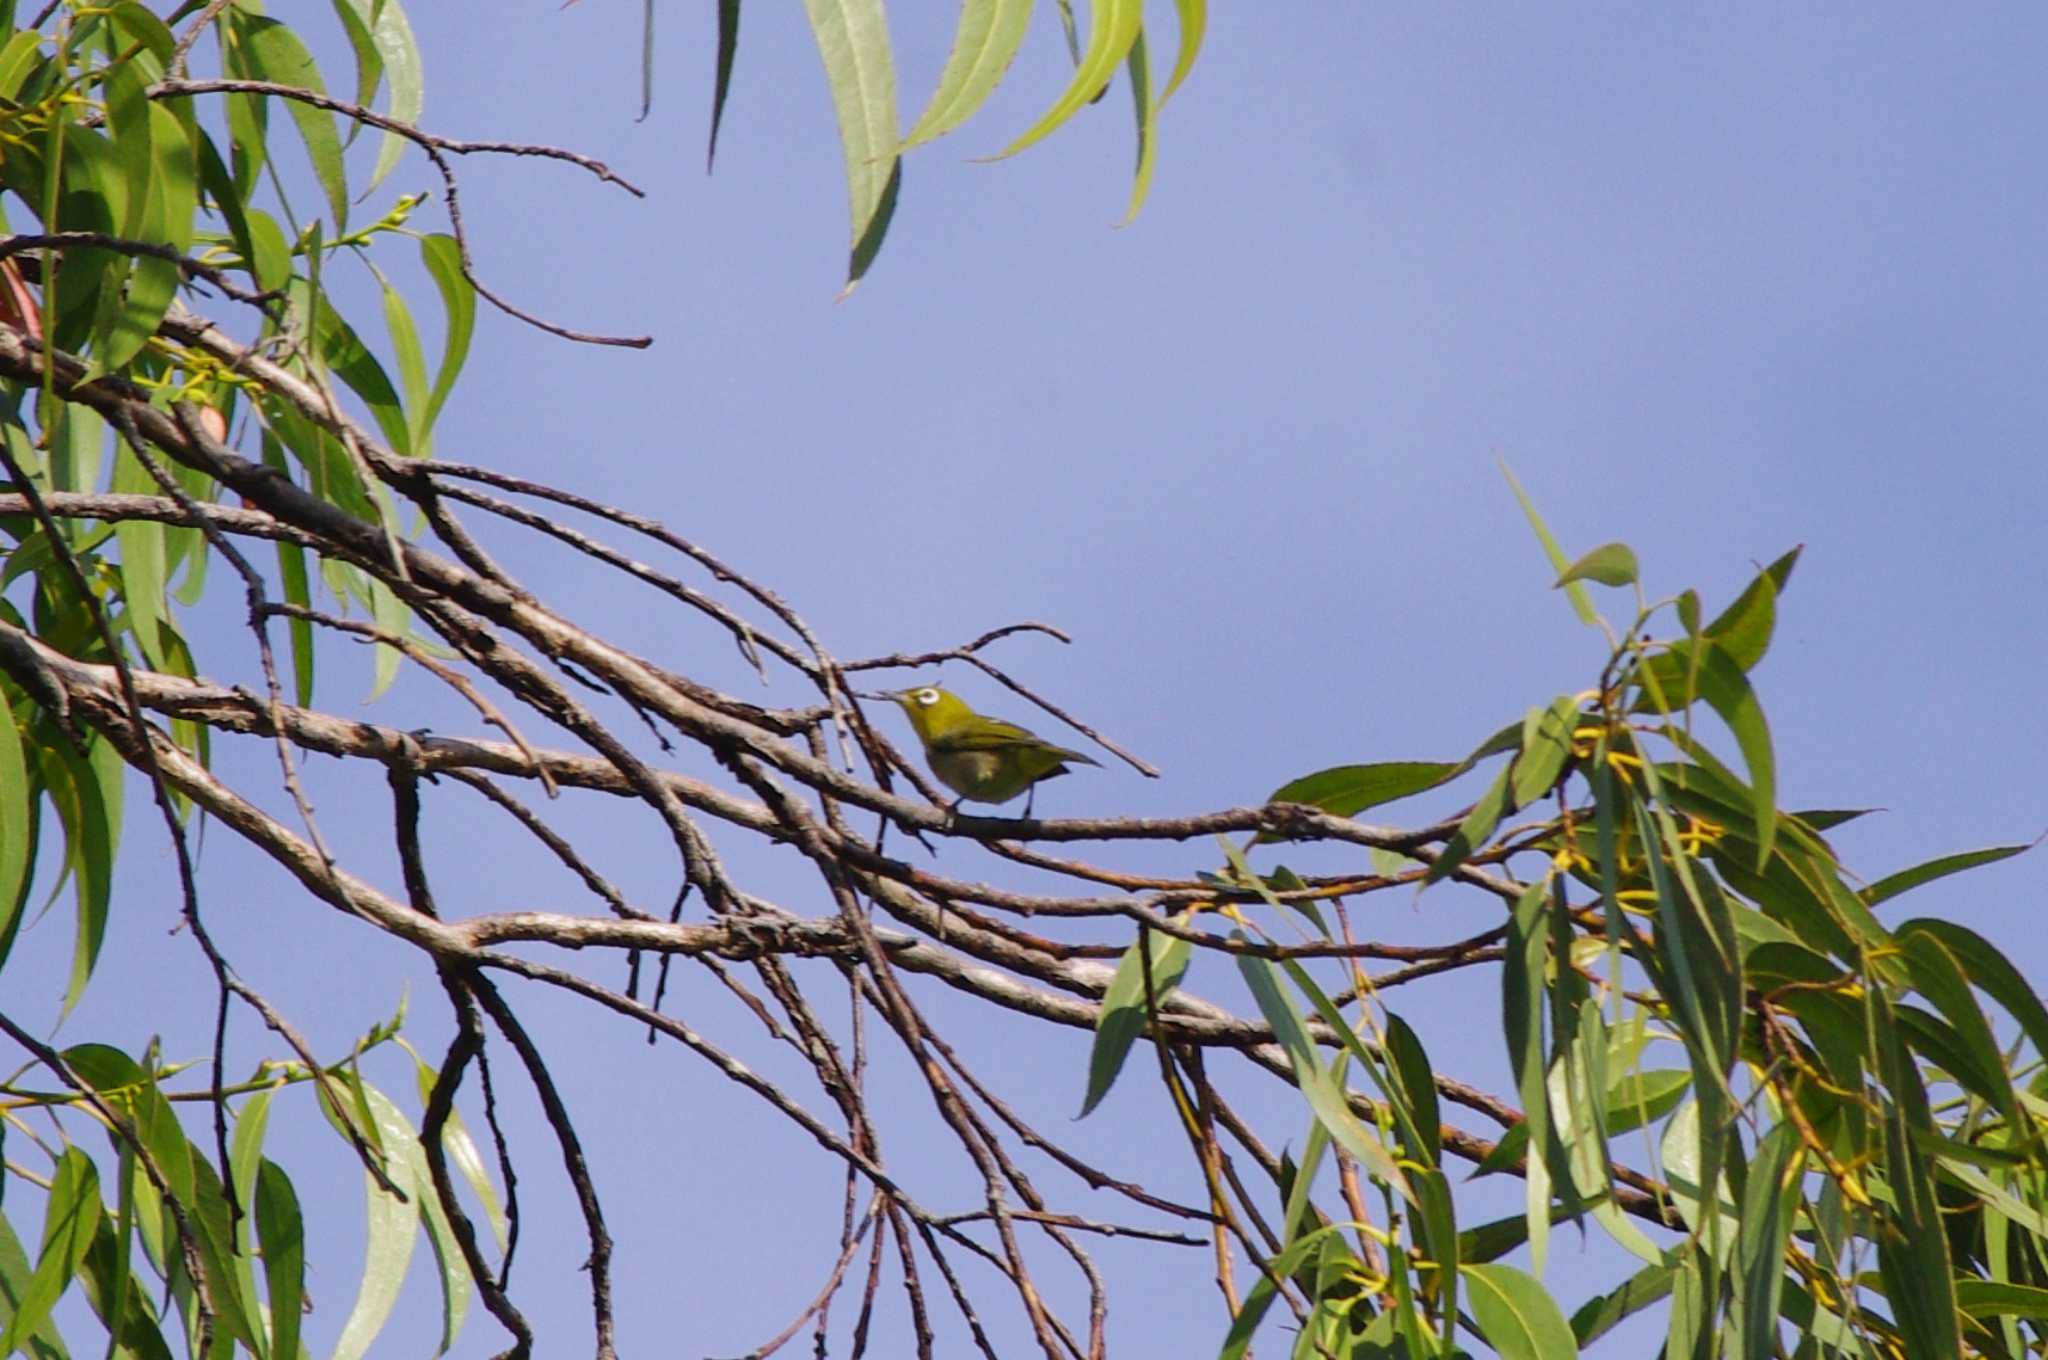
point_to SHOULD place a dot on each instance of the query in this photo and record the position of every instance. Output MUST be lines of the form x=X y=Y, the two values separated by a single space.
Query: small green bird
x=986 y=759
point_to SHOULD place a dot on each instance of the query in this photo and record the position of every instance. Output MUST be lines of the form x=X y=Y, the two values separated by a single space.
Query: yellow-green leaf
x=984 y=44
x=1113 y=25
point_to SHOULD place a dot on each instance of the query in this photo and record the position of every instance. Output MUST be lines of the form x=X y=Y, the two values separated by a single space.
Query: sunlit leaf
x=984 y=44
x=1610 y=564
x=853 y=40
x=1194 y=22
x=1138 y=70
x=1113 y=25
x=1517 y=1315
x=442 y=257
x=390 y=35
x=268 y=50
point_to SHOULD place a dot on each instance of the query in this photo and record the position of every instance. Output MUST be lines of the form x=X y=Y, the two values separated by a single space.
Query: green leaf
x=391 y=1229
x=1827 y=819
x=22 y=55
x=43 y=1342
x=1912 y=1246
x=341 y=350
x=1989 y=969
x=282 y=1232
x=1139 y=71
x=245 y=1151
x=984 y=44
x=87 y=797
x=1473 y=832
x=1113 y=25
x=369 y=66
x=71 y=1215
x=1728 y=692
x=142 y=562
x=1688 y=1145
x=1639 y=1098
x=1123 y=1015
x=464 y=1157
x=1769 y=1201
x=17 y=802
x=1610 y=564
x=394 y=616
x=1582 y=603
x=1194 y=21
x=390 y=35
x=1546 y=747
x=853 y=40
x=207 y=1212
x=728 y=48
x=1524 y=984
x=1601 y=1313
x=268 y=50
x=1939 y=977
x=1743 y=629
x=442 y=256
x=1891 y=885
x=1325 y=1095
x=1345 y=790
x=1516 y=1314
x=1993 y=1298
x=1416 y=1085
x=411 y=359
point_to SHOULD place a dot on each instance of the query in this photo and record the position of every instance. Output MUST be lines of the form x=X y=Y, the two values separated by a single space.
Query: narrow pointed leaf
x=1582 y=603
x=984 y=45
x=1113 y=26
x=1123 y=1014
x=282 y=1232
x=1322 y=1091
x=1194 y=22
x=721 y=81
x=1138 y=69
x=268 y=50
x=1345 y=790
x=1891 y=885
x=390 y=34
x=1988 y=968
x=853 y=40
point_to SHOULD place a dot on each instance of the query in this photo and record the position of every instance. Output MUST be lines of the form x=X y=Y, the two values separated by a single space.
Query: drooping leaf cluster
x=130 y=184
x=1839 y=1155
x=860 y=69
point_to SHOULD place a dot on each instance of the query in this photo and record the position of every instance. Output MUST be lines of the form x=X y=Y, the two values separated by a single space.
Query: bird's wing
x=993 y=734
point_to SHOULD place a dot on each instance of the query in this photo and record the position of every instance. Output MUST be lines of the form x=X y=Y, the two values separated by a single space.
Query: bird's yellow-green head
x=986 y=759
x=933 y=711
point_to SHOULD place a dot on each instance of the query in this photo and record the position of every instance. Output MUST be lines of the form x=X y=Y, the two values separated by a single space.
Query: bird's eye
x=927 y=697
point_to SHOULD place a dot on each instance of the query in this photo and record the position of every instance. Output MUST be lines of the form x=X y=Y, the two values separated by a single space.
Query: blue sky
x=1715 y=283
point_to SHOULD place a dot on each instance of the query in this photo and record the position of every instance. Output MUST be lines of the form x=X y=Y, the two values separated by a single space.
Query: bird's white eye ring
x=927 y=697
